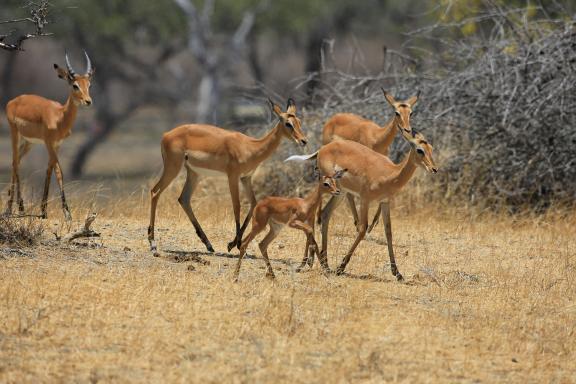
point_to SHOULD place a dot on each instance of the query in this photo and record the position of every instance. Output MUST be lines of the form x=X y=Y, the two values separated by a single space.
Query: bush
x=21 y=232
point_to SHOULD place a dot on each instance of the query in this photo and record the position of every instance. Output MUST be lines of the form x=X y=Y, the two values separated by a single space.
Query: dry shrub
x=498 y=107
x=20 y=232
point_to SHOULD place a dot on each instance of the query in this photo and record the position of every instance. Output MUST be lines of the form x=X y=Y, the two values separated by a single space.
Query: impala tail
x=302 y=157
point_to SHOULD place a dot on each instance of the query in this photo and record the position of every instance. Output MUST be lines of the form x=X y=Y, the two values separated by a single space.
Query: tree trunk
x=105 y=123
x=208 y=98
x=7 y=76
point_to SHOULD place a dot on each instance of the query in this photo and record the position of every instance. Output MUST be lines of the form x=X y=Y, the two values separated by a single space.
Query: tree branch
x=39 y=13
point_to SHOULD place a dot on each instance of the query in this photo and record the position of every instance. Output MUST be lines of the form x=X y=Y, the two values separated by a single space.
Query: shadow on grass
x=195 y=256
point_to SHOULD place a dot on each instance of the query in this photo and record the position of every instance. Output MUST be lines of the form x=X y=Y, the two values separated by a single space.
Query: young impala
x=295 y=212
x=372 y=177
x=209 y=150
x=348 y=126
x=34 y=119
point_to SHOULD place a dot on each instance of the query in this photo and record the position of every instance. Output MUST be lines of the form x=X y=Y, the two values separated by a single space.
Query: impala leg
x=263 y=245
x=388 y=230
x=305 y=259
x=53 y=156
x=235 y=195
x=23 y=149
x=352 y=206
x=313 y=250
x=247 y=184
x=361 y=233
x=256 y=229
x=172 y=166
x=311 y=246
x=44 y=205
x=326 y=215
x=184 y=200
x=15 y=137
x=376 y=217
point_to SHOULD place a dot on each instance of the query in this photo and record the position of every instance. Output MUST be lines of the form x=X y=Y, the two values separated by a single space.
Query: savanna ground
x=487 y=297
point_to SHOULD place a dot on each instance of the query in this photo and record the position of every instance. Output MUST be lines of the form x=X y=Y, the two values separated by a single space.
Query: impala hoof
x=209 y=248
x=232 y=244
x=340 y=271
x=399 y=277
x=270 y=275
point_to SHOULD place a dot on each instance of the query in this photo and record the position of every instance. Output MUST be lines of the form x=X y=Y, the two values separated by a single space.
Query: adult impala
x=372 y=177
x=34 y=119
x=295 y=212
x=348 y=126
x=208 y=150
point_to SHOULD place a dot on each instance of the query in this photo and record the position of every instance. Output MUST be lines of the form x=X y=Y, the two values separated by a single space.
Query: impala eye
x=326 y=184
x=397 y=113
x=420 y=151
x=76 y=87
x=289 y=125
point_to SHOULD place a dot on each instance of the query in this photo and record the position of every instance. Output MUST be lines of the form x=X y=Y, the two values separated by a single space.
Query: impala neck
x=265 y=146
x=387 y=135
x=405 y=172
x=314 y=197
x=70 y=111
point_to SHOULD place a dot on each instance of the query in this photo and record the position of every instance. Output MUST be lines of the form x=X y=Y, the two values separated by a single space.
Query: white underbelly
x=206 y=172
x=276 y=226
x=33 y=140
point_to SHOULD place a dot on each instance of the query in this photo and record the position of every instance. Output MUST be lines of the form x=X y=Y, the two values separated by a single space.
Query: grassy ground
x=486 y=299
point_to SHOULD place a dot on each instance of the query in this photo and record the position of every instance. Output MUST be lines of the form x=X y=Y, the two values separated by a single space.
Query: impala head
x=329 y=182
x=402 y=110
x=423 y=150
x=79 y=84
x=291 y=126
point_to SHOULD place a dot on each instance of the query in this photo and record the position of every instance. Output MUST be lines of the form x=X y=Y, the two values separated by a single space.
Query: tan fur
x=372 y=177
x=201 y=147
x=348 y=126
x=295 y=212
x=35 y=119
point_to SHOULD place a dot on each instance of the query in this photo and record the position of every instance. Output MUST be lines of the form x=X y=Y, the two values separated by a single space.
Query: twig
x=85 y=232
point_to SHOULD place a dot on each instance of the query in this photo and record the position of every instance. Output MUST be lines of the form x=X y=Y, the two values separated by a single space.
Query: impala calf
x=295 y=212
x=208 y=150
x=34 y=119
x=348 y=126
x=372 y=177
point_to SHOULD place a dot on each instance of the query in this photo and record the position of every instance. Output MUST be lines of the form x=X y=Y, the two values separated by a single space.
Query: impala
x=348 y=126
x=209 y=150
x=372 y=177
x=34 y=119
x=295 y=212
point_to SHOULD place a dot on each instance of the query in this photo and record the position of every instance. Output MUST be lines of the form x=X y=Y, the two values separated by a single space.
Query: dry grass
x=487 y=299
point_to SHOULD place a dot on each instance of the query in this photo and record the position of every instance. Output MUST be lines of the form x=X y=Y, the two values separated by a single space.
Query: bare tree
x=213 y=58
x=38 y=17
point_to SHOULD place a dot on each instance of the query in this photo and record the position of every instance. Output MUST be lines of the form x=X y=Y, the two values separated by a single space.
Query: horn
x=68 y=65
x=290 y=103
x=89 y=68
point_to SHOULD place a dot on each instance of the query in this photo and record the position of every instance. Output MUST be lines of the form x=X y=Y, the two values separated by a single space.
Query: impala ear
x=62 y=73
x=389 y=98
x=275 y=108
x=316 y=173
x=291 y=107
x=340 y=173
x=413 y=99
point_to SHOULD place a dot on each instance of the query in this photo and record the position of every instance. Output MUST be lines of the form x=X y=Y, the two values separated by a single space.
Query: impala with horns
x=348 y=126
x=205 y=150
x=372 y=177
x=34 y=119
x=297 y=213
